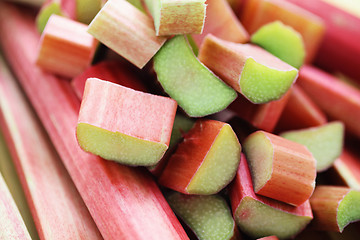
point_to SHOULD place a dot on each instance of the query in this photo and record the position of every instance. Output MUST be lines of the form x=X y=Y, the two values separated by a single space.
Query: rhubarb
x=250 y=70
x=347 y=167
x=260 y=216
x=325 y=142
x=334 y=207
x=336 y=98
x=196 y=89
x=205 y=162
x=12 y=226
x=257 y=13
x=177 y=17
x=282 y=41
x=40 y=163
x=222 y=23
x=65 y=48
x=124 y=202
x=86 y=10
x=280 y=169
x=209 y=217
x=126 y=30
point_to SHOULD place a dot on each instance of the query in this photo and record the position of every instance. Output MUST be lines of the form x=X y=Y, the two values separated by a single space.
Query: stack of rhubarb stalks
x=183 y=119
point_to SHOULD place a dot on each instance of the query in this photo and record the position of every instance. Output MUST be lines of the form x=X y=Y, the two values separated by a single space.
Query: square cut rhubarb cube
x=124 y=125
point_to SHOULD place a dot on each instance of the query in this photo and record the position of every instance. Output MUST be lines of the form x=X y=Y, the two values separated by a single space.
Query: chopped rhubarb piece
x=205 y=162
x=196 y=89
x=86 y=10
x=347 y=166
x=282 y=41
x=65 y=48
x=300 y=112
x=124 y=125
x=124 y=202
x=222 y=23
x=250 y=70
x=262 y=116
x=112 y=71
x=280 y=169
x=11 y=224
x=260 y=216
x=257 y=13
x=335 y=207
x=177 y=17
x=126 y=30
x=336 y=98
x=209 y=217
x=269 y=238
x=325 y=142
x=41 y=171
x=340 y=47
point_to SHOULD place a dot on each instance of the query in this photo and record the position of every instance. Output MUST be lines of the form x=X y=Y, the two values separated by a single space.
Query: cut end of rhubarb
x=209 y=217
x=349 y=209
x=325 y=142
x=282 y=41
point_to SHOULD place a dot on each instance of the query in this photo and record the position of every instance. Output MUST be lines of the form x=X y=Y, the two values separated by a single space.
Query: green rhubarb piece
x=195 y=88
x=182 y=124
x=45 y=13
x=193 y=44
x=349 y=209
x=259 y=220
x=86 y=10
x=282 y=41
x=137 y=4
x=324 y=142
x=177 y=17
x=209 y=217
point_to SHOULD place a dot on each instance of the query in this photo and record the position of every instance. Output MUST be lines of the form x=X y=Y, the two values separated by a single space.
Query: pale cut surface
x=126 y=30
x=196 y=89
x=259 y=149
x=209 y=217
x=251 y=213
x=177 y=17
x=219 y=166
x=349 y=209
x=324 y=142
x=282 y=41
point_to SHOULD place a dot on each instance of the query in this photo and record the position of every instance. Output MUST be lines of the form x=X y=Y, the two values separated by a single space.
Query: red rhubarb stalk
x=124 y=202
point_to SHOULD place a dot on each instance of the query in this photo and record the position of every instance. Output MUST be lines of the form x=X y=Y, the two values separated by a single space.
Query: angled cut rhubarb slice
x=282 y=41
x=177 y=17
x=65 y=47
x=126 y=30
x=209 y=217
x=260 y=216
x=325 y=142
x=205 y=162
x=41 y=171
x=347 y=166
x=11 y=224
x=335 y=207
x=280 y=169
x=250 y=70
x=124 y=202
x=124 y=125
x=196 y=89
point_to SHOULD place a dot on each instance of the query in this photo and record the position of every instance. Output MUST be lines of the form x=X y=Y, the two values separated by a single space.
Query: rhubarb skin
x=124 y=202
x=41 y=171
x=177 y=17
x=12 y=226
x=126 y=30
x=269 y=238
x=124 y=125
x=337 y=99
x=340 y=47
x=250 y=209
x=334 y=207
x=262 y=116
x=65 y=47
x=199 y=165
x=347 y=167
x=300 y=112
x=222 y=22
x=280 y=169
x=257 y=13
x=109 y=70
x=239 y=66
